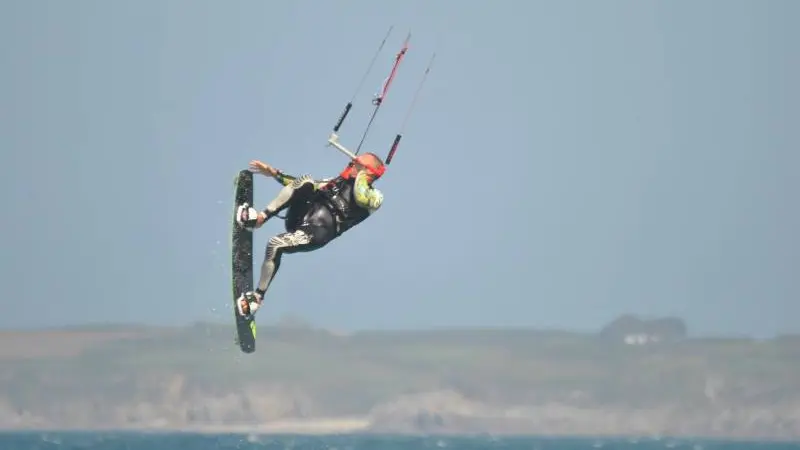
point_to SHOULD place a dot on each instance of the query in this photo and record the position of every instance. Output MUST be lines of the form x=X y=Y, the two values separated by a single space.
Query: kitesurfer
x=318 y=212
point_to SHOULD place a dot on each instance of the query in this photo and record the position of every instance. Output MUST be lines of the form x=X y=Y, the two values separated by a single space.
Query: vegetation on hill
x=196 y=375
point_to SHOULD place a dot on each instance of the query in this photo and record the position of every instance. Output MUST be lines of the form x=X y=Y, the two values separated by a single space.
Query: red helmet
x=370 y=162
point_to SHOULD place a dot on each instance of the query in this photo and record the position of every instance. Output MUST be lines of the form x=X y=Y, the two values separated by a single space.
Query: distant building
x=640 y=339
x=633 y=330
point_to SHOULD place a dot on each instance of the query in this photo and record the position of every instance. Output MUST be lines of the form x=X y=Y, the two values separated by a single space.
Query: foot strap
x=248 y=304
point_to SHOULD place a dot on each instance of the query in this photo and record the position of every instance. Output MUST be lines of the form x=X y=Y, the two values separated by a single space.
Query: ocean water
x=186 y=441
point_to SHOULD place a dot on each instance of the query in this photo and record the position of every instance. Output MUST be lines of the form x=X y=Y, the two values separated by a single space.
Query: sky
x=566 y=162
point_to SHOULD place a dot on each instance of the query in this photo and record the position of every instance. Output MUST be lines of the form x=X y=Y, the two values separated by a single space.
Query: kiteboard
x=242 y=262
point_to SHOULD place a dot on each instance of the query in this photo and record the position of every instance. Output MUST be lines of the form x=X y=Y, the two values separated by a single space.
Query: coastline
x=362 y=426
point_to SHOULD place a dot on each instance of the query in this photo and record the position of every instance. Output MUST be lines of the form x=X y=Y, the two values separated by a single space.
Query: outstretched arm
x=269 y=171
x=367 y=196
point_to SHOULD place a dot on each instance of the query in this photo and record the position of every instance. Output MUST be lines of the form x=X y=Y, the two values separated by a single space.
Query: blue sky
x=567 y=162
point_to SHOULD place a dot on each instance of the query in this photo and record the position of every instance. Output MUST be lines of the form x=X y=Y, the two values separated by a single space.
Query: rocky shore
x=450 y=382
x=444 y=412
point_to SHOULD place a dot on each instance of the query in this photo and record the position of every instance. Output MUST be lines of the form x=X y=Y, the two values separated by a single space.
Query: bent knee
x=303 y=182
x=285 y=241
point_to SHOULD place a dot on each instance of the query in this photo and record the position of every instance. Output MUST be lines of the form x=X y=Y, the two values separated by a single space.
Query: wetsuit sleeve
x=367 y=196
x=284 y=179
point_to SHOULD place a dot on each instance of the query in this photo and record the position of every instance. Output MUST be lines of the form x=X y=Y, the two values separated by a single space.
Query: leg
x=296 y=242
x=298 y=192
x=301 y=240
x=316 y=229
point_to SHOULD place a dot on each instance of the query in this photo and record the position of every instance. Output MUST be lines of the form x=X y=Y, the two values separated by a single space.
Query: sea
x=188 y=441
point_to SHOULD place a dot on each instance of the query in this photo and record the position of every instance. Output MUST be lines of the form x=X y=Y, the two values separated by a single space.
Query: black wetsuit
x=317 y=213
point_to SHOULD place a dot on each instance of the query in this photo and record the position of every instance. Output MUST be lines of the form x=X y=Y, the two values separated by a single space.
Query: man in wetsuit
x=318 y=212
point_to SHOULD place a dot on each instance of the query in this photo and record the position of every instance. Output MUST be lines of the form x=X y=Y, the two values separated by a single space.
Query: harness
x=333 y=196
